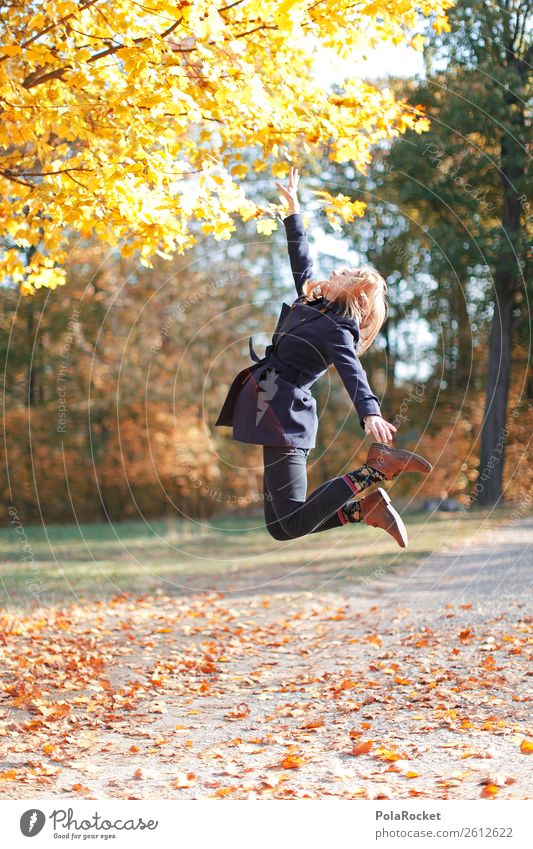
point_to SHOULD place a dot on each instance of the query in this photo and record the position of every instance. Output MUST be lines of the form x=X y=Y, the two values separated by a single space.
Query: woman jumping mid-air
x=270 y=402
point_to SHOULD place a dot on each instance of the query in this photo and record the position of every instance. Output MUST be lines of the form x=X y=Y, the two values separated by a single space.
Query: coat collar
x=331 y=307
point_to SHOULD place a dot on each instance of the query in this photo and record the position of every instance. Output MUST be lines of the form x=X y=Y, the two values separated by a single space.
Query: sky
x=396 y=60
x=393 y=60
x=388 y=60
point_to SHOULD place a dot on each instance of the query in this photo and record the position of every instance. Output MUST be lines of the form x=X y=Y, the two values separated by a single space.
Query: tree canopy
x=126 y=121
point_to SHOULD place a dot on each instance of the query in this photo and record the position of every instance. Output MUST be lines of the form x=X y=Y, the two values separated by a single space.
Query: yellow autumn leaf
x=266 y=226
x=442 y=24
x=417 y=42
x=10 y=49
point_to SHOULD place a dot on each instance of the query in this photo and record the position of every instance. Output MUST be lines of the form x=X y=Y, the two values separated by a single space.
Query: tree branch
x=9 y=172
x=31 y=81
x=230 y=6
x=9 y=176
x=53 y=26
x=256 y=29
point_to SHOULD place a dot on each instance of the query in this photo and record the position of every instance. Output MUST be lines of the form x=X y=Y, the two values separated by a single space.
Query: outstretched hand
x=290 y=194
x=380 y=429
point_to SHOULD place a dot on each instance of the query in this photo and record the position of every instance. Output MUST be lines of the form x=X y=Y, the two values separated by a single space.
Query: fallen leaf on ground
x=362 y=748
x=291 y=762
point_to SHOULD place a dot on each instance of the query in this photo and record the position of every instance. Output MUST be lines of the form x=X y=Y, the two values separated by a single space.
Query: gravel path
x=413 y=684
x=493 y=566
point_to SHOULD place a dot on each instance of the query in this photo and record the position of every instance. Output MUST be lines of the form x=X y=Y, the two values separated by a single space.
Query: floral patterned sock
x=357 y=480
x=362 y=478
x=351 y=512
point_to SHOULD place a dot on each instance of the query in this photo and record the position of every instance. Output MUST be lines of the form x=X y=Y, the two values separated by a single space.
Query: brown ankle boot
x=392 y=461
x=377 y=511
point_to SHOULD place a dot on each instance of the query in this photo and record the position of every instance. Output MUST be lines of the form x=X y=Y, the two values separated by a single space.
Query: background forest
x=113 y=381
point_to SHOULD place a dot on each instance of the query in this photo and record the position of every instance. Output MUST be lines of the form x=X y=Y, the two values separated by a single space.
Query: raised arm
x=340 y=345
x=298 y=246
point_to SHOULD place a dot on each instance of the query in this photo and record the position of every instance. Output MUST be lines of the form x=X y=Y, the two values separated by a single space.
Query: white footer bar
x=227 y=824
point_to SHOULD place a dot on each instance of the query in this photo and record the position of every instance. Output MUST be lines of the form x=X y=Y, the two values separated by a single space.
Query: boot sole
x=397 y=518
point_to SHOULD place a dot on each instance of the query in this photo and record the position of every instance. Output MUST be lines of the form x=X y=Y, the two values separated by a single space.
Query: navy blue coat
x=270 y=402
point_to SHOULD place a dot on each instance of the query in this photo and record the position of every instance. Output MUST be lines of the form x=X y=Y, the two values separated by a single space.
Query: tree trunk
x=494 y=435
x=391 y=361
x=31 y=395
x=464 y=365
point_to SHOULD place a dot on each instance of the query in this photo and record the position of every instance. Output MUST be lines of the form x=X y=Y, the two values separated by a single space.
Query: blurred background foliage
x=142 y=357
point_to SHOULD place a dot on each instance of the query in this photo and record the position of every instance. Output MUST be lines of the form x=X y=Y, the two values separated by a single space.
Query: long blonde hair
x=361 y=293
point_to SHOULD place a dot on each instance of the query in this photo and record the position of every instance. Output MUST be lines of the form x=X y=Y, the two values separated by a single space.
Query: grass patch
x=64 y=563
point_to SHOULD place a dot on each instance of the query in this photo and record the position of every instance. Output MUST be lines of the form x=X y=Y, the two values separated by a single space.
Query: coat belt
x=270 y=359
